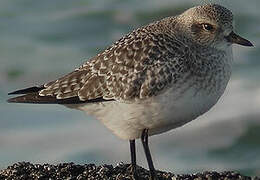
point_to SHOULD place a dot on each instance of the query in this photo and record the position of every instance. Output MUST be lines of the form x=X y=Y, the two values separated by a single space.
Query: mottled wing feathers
x=138 y=66
x=67 y=86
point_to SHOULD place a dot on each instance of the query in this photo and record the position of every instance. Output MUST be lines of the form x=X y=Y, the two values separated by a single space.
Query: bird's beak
x=234 y=38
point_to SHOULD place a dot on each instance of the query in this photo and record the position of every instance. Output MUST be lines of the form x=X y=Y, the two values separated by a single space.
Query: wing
x=138 y=66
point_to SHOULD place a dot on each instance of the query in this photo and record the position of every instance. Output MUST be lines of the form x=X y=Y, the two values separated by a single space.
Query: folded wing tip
x=31 y=95
x=27 y=90
x=12 y=93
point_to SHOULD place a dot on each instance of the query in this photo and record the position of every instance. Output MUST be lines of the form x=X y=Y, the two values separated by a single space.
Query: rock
x=26 y=170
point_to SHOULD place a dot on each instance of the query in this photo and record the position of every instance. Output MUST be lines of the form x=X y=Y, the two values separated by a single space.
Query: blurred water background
x=42 y=40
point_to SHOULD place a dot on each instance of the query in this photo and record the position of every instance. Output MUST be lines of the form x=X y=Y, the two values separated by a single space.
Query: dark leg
x=133 y=154
x=144 y=139
x=133 y=157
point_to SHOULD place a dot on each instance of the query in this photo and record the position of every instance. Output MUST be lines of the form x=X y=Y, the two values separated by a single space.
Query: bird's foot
x=132 y=169
x=153 y=175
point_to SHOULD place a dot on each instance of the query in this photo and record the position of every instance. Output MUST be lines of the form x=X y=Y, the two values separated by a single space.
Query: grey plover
x=154 y=79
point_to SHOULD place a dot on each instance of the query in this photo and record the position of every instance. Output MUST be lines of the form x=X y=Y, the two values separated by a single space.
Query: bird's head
x=211 y=25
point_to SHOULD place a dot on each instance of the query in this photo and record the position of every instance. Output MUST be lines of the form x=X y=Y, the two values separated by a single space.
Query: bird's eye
x=207 y=27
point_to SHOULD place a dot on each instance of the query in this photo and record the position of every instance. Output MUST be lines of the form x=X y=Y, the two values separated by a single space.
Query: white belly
x=159 y=114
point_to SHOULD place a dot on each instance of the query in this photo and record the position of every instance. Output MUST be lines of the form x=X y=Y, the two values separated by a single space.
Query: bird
x=154 y=79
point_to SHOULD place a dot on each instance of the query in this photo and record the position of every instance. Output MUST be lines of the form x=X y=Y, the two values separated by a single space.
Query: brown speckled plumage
x=139 y=65
x=143 y=63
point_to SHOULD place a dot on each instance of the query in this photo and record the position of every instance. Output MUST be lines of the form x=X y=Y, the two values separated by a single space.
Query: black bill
x=234 y=38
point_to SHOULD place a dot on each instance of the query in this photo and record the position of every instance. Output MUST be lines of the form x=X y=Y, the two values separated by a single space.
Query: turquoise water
x=42 y=40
